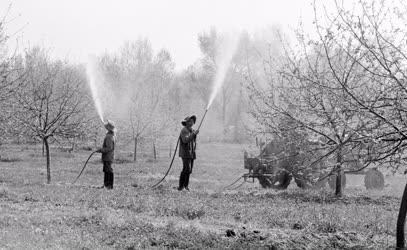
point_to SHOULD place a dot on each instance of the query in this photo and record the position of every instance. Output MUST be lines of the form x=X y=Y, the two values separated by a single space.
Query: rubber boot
x=181 y=181
x=106 y=179
x=186 y=182
x=111 y=180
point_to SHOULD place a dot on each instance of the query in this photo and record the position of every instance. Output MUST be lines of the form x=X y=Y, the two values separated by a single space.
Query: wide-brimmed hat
x=109 y=125
x=192 y=117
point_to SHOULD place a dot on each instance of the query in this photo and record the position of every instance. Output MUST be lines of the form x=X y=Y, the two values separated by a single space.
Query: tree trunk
x=401 y=219
x=224 y=114
x=154 y=151
x=237 y=117
x=72 y=147
x=135 y=150
x=338 y=188
x=96 y=140
x=43 y=148
x=48 y=160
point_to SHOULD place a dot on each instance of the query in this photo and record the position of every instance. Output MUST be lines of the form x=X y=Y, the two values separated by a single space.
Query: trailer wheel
x=265 y=181
x=279 y=181
x=282 y=180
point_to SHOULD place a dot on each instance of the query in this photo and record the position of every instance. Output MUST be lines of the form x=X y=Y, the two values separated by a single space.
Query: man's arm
x=186 y=136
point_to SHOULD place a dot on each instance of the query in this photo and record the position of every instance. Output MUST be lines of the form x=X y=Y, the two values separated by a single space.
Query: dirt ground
x=61 y=215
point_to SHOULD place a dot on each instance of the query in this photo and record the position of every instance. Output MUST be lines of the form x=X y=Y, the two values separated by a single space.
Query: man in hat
x=108 y=154
x=187 y=150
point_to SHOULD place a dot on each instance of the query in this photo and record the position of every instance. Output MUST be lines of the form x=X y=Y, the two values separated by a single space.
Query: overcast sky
x=74 y=29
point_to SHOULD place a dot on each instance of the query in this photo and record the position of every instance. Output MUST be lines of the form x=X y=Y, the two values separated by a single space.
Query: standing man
x=187 y=150
x=108 y=154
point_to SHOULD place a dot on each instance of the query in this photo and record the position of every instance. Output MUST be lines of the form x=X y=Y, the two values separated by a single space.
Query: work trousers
x=187 y=165
x=109 y=176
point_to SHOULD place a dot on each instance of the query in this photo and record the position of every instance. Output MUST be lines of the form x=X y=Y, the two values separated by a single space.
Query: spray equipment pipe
x=84 y=166
x=203 y=117
x=169 y=168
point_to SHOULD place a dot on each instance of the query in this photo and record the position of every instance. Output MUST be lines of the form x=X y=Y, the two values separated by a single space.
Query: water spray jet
x=226 y=50
x=91 y=72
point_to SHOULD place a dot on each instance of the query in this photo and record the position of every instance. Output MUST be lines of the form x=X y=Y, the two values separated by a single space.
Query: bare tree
x=373 y=34
x=142 y=113
x=11 y=76
x=49 y=106
x=140 y=80
x=307 y=90
x=378 y=33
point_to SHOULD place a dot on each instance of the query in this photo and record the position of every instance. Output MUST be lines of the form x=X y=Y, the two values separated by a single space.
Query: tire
x=265 y=181
x=283 y=179
x=279 y=181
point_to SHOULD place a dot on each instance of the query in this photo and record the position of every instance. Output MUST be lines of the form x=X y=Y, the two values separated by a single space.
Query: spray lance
x=203 y=117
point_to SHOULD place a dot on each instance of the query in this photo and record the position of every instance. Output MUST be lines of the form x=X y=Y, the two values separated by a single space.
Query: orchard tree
x=307 y=90
x=125 y=73
x=50 y=104
x=140 y=82
x=10 y=64
x=373 y=34
x=11 y=77
x=160 y=88
x=370 y=36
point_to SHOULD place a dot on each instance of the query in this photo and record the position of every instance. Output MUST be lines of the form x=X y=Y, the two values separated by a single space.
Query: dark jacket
x=108 y=147
x=187 y=144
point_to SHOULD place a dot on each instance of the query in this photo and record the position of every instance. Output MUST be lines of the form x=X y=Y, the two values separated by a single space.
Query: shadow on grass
x=10 y=159
x=326 y=197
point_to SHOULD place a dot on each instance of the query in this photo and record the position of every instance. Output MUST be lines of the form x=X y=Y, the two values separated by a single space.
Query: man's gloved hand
x=196 y=132
x=99 y=150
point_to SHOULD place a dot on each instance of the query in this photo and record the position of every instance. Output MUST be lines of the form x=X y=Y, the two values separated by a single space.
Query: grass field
x=60 y=215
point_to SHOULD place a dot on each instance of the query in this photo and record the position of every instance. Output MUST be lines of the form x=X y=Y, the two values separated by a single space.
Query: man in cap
x=187 y=150
x=107 y=151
